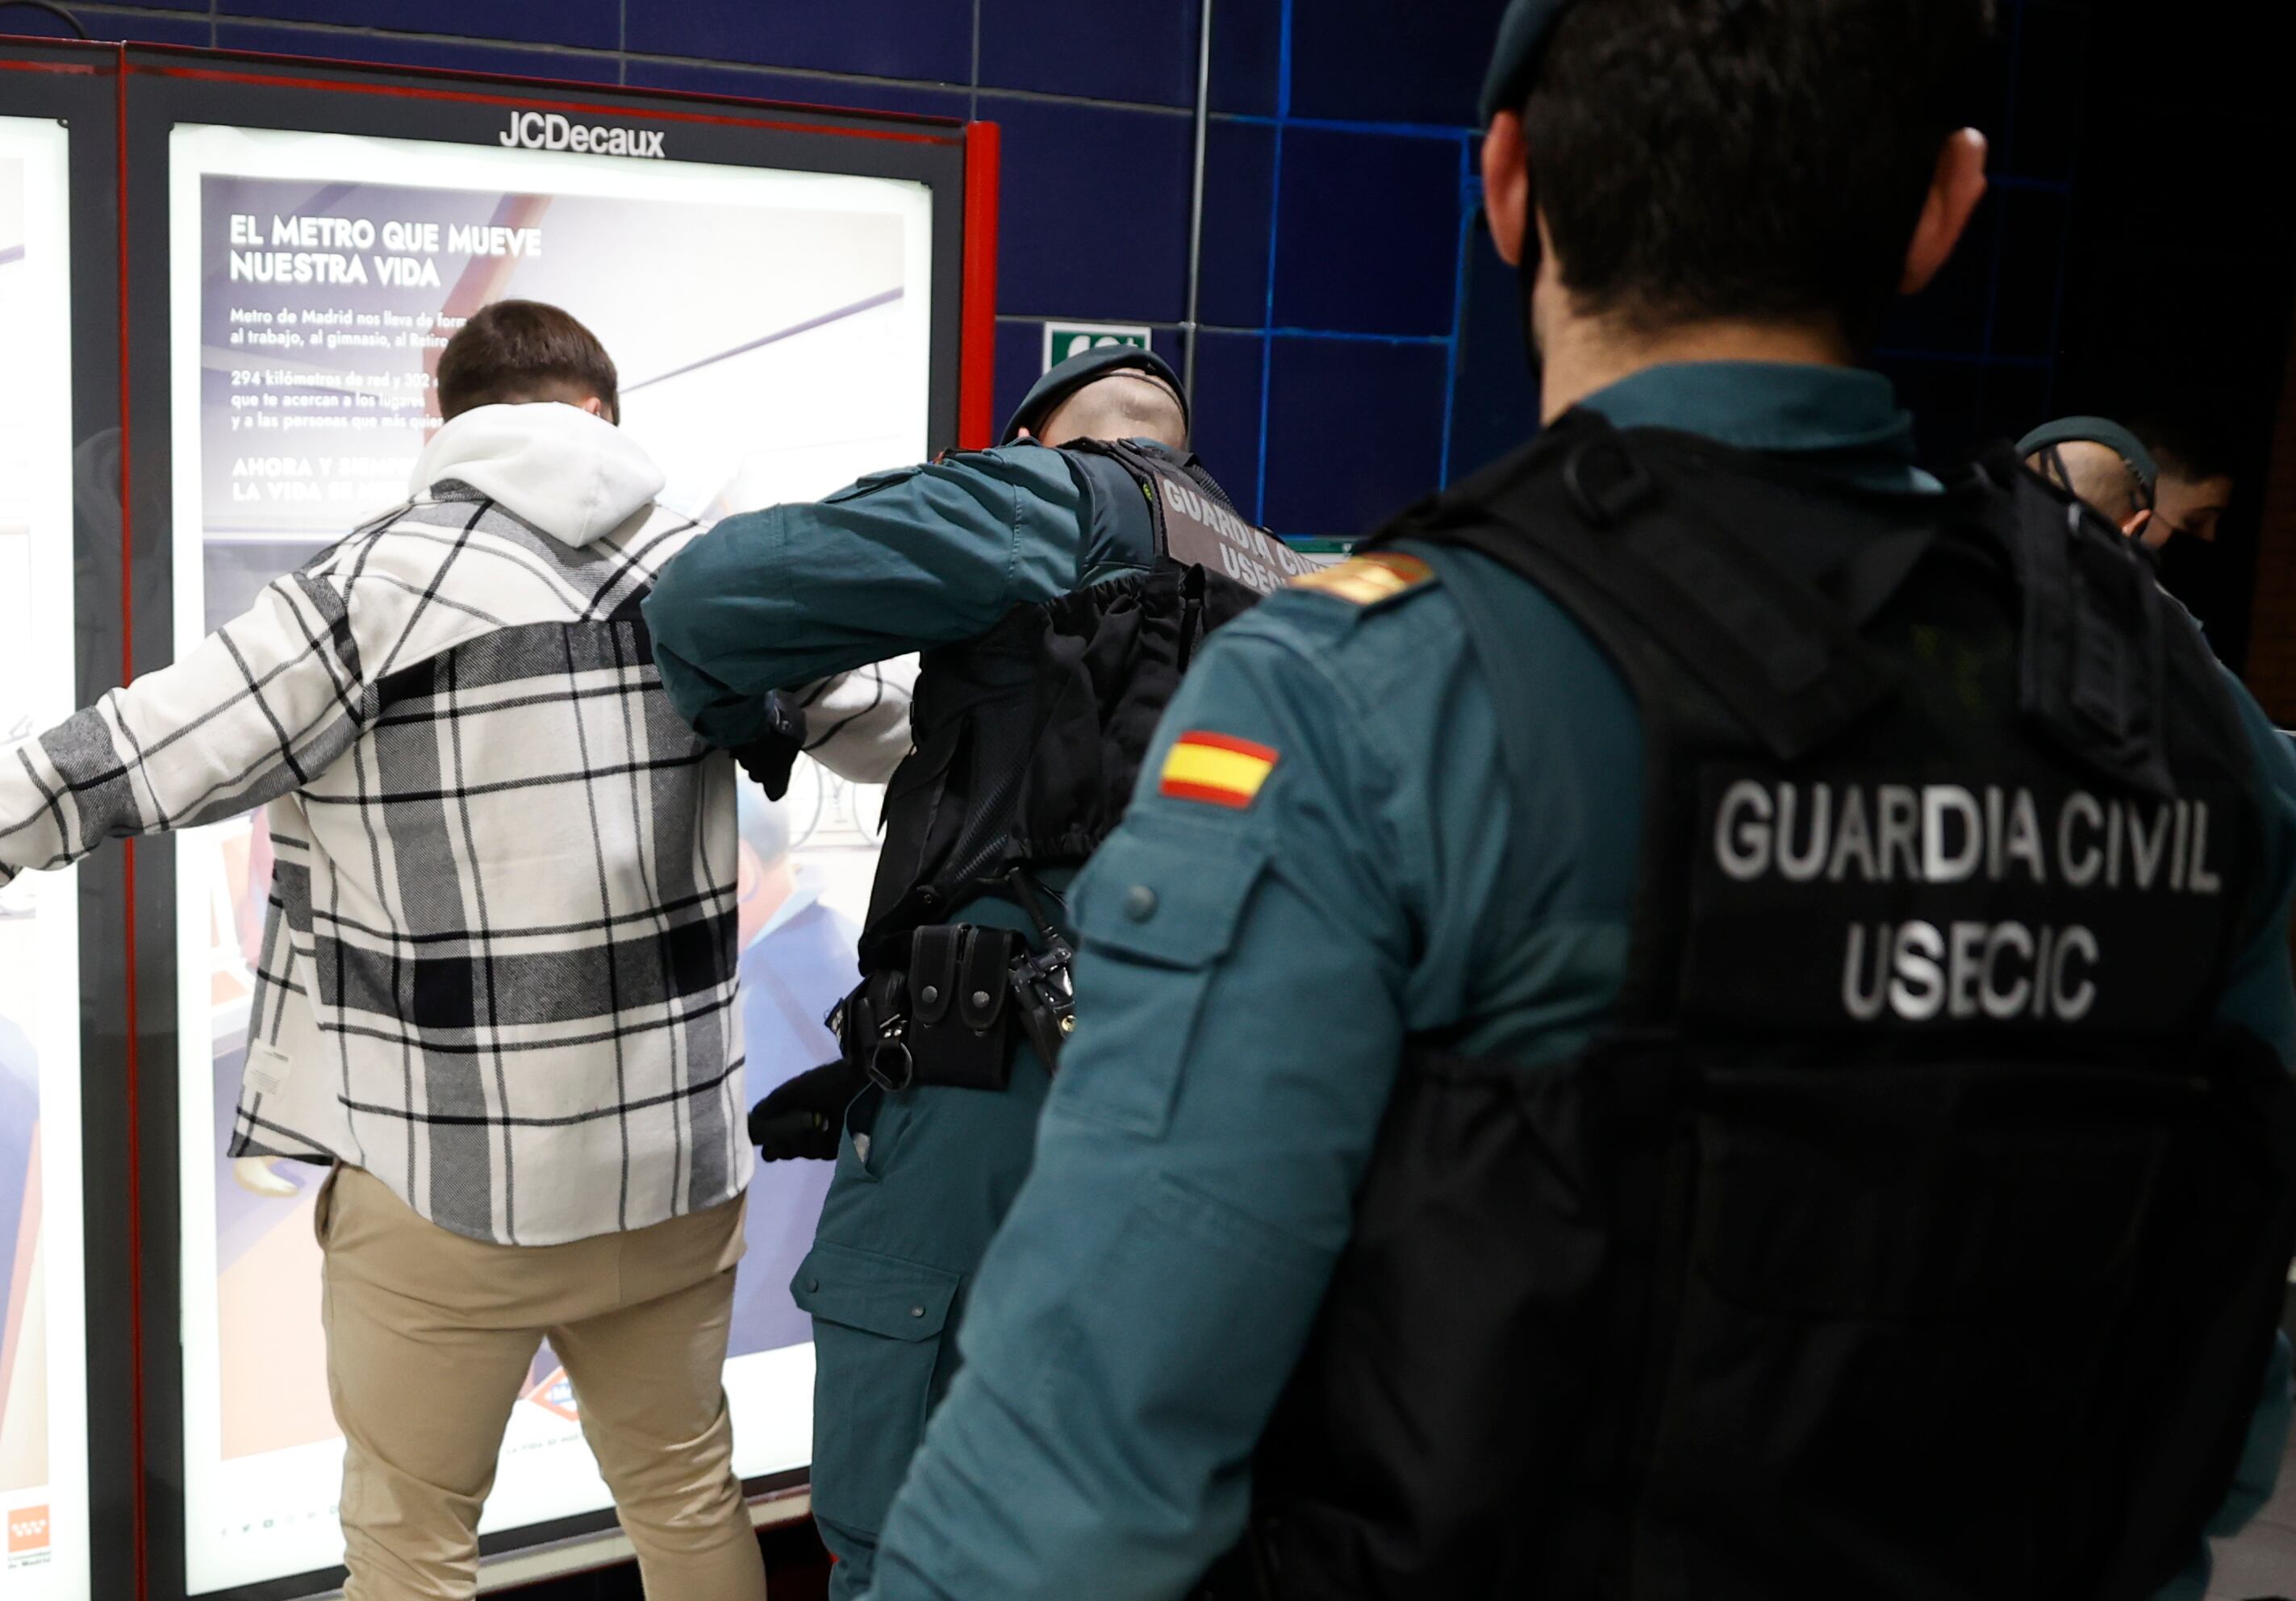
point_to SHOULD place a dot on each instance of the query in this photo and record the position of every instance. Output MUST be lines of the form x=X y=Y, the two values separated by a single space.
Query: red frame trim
x=976 y=410
x=530 y=102
x=526 y=87
x=976 y=428
x=90 y=71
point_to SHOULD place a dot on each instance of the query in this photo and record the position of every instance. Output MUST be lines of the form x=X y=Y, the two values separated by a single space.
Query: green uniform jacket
x=901 y=562
x=1248 y=977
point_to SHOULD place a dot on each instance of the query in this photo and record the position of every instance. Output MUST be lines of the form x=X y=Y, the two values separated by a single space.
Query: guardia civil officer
x=1058 y=594
x=1707 y=1021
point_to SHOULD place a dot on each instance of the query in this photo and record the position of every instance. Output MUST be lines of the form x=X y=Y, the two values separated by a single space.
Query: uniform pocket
x=874 y=1124
x=1159 y=913
x=878 y=1327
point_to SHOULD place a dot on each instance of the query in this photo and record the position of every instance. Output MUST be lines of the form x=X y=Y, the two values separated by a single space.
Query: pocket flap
x=933 y=977
x=1169 y=901
x=880 y=1295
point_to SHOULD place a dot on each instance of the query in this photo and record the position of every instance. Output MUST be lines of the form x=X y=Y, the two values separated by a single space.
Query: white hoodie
x=575 y=477
x=579 y=478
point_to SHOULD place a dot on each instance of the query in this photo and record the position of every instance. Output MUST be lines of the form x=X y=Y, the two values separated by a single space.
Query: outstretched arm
x=897 y=563
x=253 y=711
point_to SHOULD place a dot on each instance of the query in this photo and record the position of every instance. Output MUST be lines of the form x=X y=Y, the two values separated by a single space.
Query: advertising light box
x=777 y=331
x=43 y=1442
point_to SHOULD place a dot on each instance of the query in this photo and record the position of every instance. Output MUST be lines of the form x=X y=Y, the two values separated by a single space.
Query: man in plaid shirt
x=497 y=989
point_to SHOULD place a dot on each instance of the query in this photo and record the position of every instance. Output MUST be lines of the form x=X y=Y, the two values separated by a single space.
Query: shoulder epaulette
x=1368 y=580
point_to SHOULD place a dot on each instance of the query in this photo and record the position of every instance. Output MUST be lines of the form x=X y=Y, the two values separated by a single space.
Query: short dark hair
x=2191 y=447
x=519 y=350
x=1124 y=405
x=1763 y=160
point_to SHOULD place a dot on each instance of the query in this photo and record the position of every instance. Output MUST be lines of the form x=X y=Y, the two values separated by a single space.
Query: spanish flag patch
x=1218 y=770
x=1368 y=580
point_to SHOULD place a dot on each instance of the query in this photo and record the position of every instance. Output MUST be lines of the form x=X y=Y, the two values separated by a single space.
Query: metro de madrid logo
x=538 y=130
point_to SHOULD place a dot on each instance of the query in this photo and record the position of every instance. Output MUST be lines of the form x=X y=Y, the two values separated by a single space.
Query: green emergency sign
x=1066 y=339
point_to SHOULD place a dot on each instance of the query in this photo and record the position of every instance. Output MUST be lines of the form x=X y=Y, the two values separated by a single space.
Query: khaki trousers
x=430 y=1336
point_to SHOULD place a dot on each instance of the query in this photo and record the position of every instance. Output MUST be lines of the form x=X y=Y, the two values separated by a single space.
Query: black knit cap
x=1078 y=370
x=1523 y=34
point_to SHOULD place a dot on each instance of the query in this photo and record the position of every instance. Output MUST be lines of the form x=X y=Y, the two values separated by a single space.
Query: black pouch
x=959 y=977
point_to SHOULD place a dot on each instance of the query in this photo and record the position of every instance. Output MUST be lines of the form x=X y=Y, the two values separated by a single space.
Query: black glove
x=770 y=757
x=803 y=1119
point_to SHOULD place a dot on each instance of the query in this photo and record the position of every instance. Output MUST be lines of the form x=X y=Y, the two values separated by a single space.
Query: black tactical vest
x=1914 y=1231
x=1028 y=741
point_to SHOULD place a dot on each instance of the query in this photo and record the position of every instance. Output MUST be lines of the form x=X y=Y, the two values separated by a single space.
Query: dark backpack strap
x=1121 y=525
x=1157 y=458
x=1655 y=577
x=2105 y=653
x=2093 y=655
x=1494 y=631
x=1195 y=525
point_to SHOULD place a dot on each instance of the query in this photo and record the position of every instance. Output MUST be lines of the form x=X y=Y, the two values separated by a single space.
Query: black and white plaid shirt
x=498 y=969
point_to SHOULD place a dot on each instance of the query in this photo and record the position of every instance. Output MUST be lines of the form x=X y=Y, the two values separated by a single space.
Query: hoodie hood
x=575 y=477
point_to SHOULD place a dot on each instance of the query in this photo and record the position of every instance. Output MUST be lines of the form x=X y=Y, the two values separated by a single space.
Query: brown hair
x=522 y=350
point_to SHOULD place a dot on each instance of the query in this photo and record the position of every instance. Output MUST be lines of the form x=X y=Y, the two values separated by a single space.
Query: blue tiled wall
x=1977 y=357
x=1361 y=339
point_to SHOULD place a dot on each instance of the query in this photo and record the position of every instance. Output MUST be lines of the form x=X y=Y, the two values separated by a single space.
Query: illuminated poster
x=42 y=1309
x=771 y=330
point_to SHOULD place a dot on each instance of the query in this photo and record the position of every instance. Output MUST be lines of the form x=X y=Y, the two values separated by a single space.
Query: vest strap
x=1779 y=653
x=2095 y=667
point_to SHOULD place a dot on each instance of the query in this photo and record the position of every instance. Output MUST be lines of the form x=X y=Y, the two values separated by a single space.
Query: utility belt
x=947 y=1001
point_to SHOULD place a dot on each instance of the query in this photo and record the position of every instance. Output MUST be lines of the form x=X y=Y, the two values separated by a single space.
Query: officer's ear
x=1955 y=187
x=1506 y=185
x=2141 y=528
